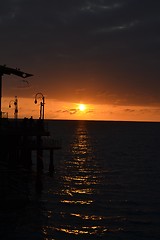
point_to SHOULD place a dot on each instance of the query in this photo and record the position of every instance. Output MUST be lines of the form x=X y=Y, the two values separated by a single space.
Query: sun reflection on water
x=79 y=184
x=81 y=170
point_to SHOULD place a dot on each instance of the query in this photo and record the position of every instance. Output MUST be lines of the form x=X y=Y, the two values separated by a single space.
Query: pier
x=19 y=138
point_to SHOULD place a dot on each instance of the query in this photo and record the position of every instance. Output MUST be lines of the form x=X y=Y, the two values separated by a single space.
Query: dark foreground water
x=106 y=185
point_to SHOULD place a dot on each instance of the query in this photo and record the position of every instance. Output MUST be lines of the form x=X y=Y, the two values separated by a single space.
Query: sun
x=81 y=107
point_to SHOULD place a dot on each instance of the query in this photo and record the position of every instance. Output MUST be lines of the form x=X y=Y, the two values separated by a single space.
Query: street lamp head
x=10 y=103
x=35 y=101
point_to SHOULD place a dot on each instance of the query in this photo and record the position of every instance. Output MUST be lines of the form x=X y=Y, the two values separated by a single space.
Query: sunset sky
x=104 y=54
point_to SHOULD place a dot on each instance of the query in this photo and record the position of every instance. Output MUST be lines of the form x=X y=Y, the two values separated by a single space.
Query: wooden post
x=39 y=183
x=1 y=95
x=51 y=164
x=39 y=154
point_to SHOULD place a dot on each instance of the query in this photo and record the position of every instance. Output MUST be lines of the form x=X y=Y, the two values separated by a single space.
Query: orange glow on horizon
x=75 y=111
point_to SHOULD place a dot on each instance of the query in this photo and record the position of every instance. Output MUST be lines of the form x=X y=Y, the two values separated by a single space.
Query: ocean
x=105 y=185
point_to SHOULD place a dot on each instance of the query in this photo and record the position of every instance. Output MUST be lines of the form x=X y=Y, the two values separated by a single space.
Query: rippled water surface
x=105 y=185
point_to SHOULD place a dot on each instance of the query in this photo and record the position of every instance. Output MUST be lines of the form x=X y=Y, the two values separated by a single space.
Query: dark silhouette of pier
x=19 y=137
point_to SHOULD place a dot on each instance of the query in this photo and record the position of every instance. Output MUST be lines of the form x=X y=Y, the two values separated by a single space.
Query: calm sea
x=106 y=185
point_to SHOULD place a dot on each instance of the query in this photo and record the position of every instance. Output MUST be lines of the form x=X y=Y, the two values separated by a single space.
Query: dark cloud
x=104 y=51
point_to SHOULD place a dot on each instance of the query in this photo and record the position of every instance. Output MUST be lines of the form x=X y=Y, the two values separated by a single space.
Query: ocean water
x=105 y=185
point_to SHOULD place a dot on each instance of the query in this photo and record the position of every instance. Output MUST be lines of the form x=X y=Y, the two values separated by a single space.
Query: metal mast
x=15 y=107
x=40 y=95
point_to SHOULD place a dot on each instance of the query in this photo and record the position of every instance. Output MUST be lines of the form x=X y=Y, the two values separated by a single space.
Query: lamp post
x=16 y=107
x=40 y=96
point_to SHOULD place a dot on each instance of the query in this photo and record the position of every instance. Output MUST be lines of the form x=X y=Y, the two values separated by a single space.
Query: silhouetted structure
x=19 y=137
x=9 y=71
x=15 y=101
x=40 y=95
